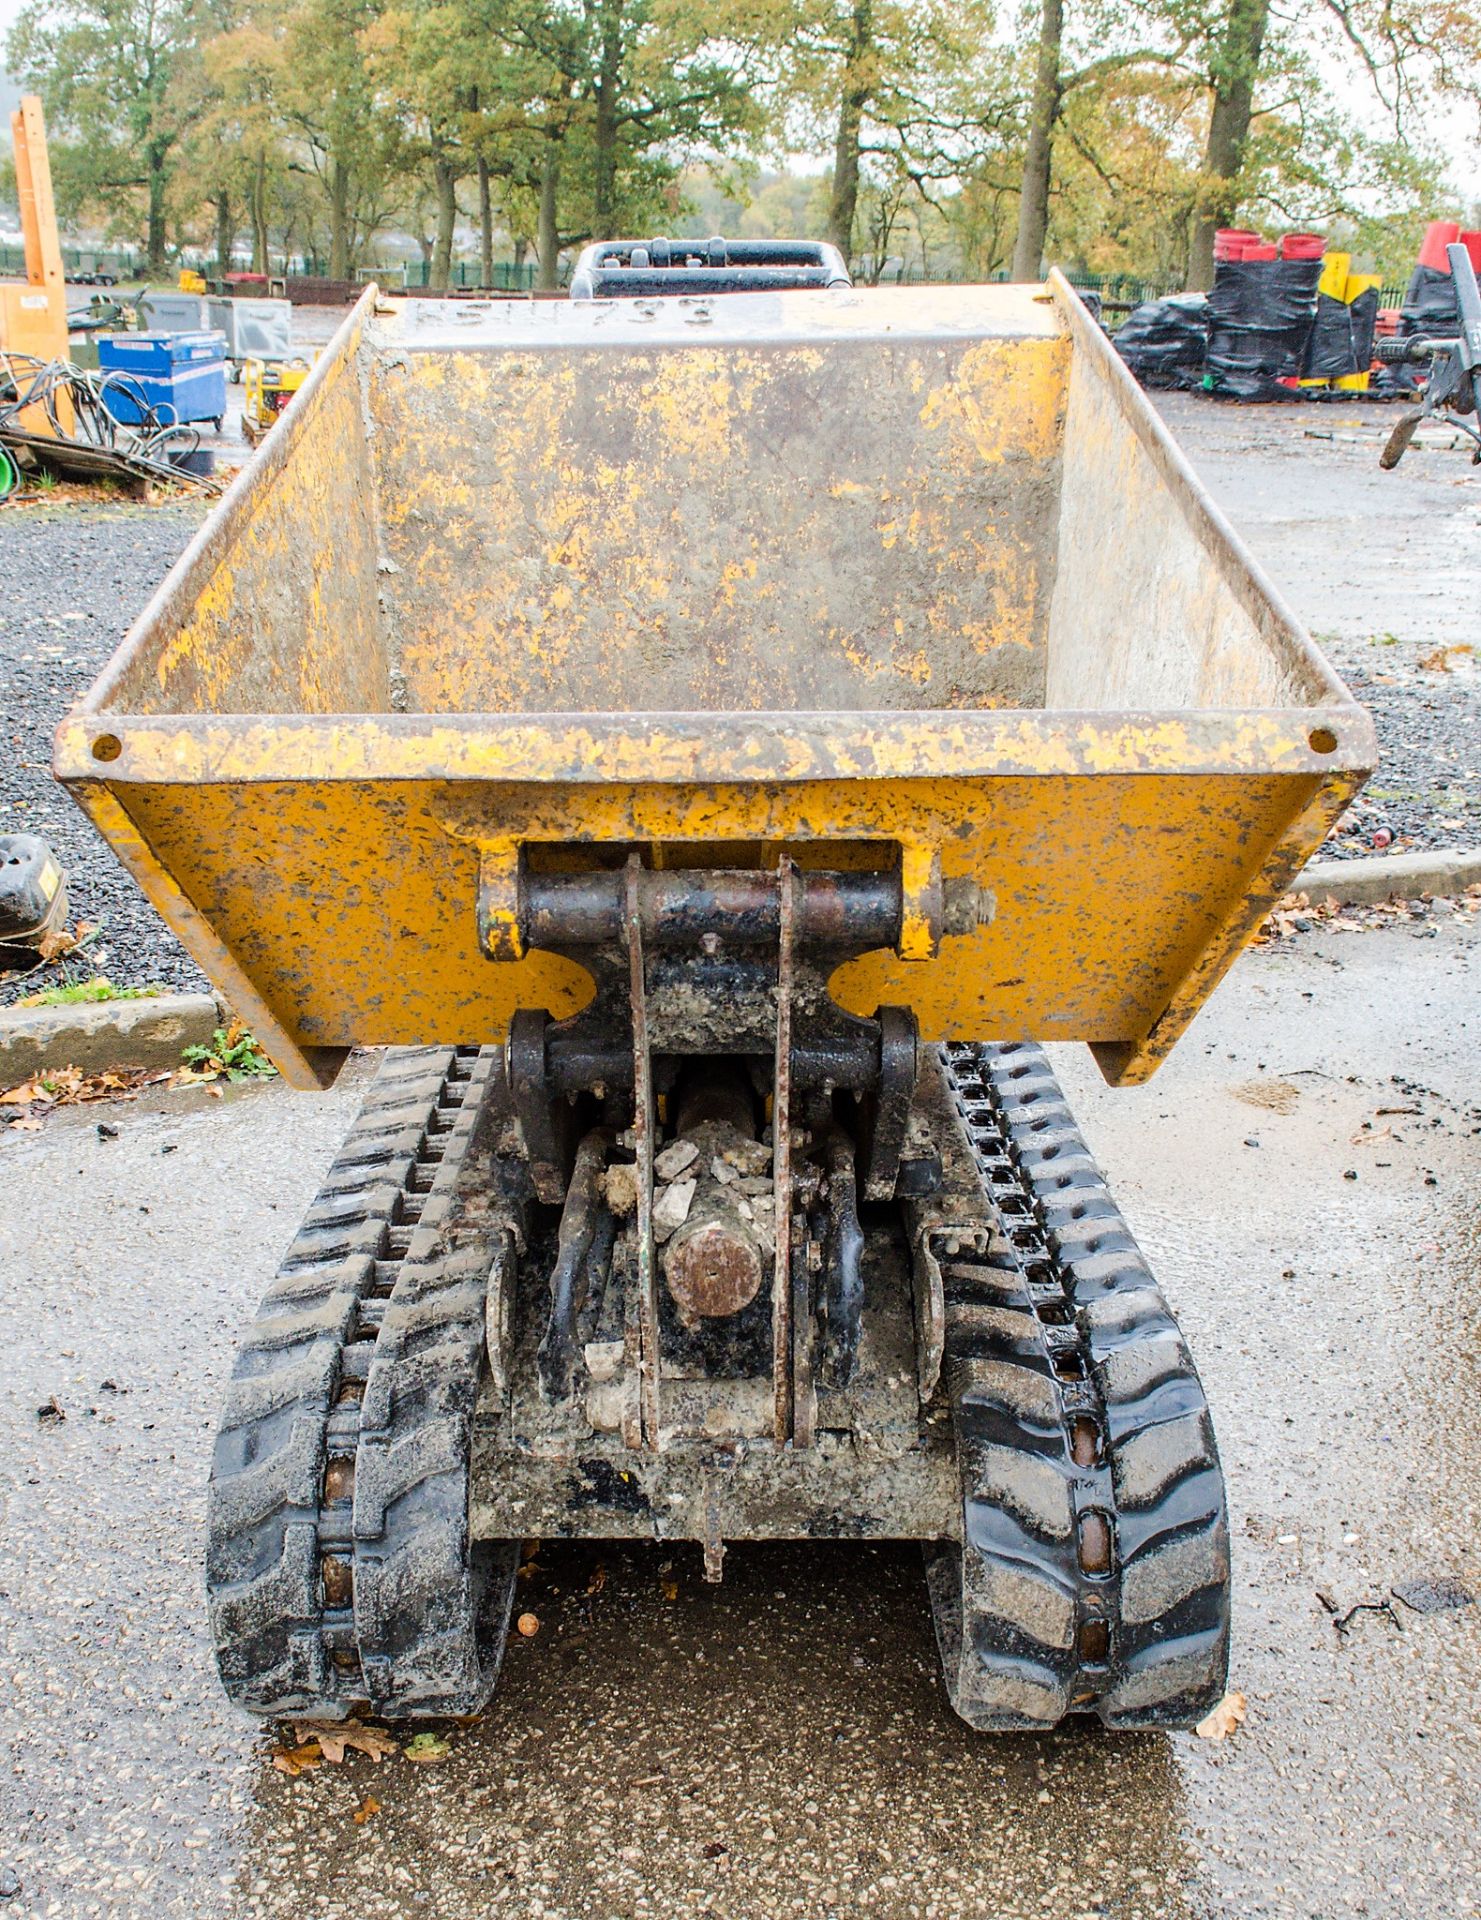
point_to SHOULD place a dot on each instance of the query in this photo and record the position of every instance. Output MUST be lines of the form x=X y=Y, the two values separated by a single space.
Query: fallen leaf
x=1225 y=1717
x=425 y=1749
x=52 y=1411
x=368 y=1807
x=528 y=1624
x=1439 y=661
x=670 y=1588
x=598 y=1579
x=296 y=1760
x=335 y=1737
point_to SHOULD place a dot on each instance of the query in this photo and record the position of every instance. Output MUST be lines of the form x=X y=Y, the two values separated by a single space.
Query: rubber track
x=284 y=1489
x=1095 y=1571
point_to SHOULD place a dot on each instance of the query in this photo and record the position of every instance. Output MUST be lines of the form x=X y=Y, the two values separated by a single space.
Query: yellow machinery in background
x=33 y=312
x=267 y=387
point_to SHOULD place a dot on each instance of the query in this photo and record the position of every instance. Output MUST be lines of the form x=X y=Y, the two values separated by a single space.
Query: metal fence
x=1117 y=290
x=508 y=277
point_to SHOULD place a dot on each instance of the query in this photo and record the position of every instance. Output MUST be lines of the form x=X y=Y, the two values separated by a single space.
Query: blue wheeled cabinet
x=180 y=376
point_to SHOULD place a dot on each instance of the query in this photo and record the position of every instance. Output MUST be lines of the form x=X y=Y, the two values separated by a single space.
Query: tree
x=1233 y=73
x=1033 y=194
x=338 y=127
x=110 y=73
x=907 y=97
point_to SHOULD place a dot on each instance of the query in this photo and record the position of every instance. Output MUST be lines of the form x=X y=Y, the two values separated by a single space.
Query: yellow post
x=33 y=315
x=38 y=209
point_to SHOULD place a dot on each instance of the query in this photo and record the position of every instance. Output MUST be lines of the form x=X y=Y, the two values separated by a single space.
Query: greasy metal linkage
x=584 y=1241
x=645 y=1120
x=679 y=907
x=781 y=1158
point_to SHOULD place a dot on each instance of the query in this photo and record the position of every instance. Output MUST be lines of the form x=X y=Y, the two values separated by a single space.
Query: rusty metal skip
x=711 y=732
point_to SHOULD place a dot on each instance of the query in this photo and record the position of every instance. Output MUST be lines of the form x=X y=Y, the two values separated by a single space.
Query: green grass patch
x=86 y=993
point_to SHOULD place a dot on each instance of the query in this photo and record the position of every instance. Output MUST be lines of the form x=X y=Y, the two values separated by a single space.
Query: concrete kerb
x=98 y=1036
x=1396 y=876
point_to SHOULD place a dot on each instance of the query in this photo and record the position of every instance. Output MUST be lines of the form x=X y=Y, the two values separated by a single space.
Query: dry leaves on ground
x=51 y=946
x=1296 y=914
x=314 y=1743
x=1228 y=1715
x=366 y=1810
x=1441 y=660
x=426 y=1749
x=337 y=1736
x=26 y=1106
x=234 y=1055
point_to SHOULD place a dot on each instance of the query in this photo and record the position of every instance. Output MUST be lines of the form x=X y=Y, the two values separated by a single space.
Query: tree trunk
x=485 y=226
x=1234 y=74
x=445 y=177
x=156 y=238
x=1038 y=159
x=258 y=210
x=858 y=84
x=547 y=236
x=225 y=232
x=339 y=220
x=521 y=250
x=604 y=169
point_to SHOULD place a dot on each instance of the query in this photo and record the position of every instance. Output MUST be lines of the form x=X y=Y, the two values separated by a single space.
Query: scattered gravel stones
x=1426 y=793
x=75 y=577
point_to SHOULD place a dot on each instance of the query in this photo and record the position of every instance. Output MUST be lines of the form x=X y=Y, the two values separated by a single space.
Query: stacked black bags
x=1163 y=341
x=1341 y=340
x=1261 y=314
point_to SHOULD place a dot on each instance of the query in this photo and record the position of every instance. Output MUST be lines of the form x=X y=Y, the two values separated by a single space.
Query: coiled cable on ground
x=156 y=441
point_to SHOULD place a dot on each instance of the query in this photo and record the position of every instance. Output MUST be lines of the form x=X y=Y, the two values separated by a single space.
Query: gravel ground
x=74 y=579
x=1383 y=568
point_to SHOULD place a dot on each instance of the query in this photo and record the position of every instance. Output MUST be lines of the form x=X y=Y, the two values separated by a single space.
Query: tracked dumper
x=711 y=743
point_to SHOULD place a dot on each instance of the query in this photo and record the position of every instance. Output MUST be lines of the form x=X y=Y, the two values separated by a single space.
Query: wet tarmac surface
x=1303 y=1174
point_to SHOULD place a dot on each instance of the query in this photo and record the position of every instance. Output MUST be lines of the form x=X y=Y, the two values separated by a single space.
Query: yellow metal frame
x=323 y=867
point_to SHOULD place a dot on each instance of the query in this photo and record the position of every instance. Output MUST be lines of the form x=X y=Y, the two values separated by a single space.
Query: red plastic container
x=1303 y=246
x=1438 y=235
x=1388 y=320
x=1230 y=242
x=1265 y=251
x=1472 y=244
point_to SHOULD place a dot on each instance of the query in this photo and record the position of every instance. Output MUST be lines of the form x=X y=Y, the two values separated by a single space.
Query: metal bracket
x=781 y=1158
x=545 y=1120
x=644 y=1123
